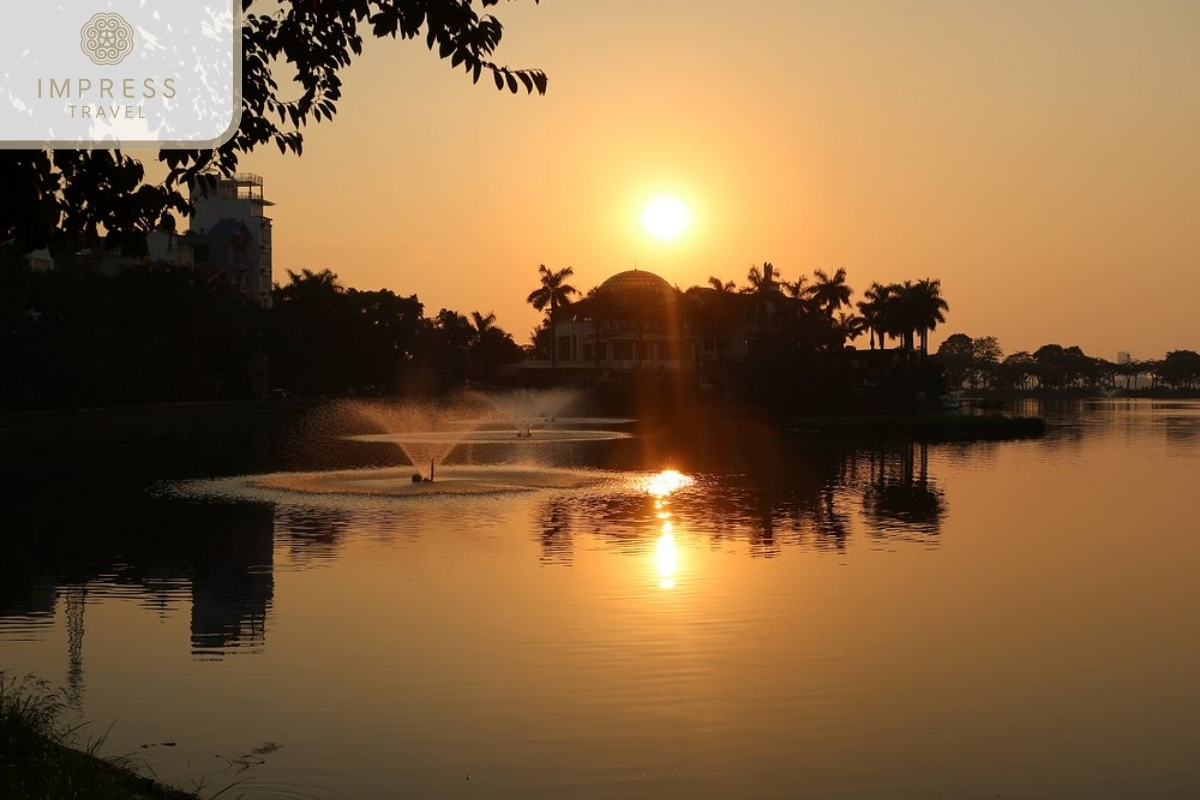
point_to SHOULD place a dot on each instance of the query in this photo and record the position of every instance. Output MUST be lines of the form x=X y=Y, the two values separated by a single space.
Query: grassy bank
x=39 y=755
x=921 y=427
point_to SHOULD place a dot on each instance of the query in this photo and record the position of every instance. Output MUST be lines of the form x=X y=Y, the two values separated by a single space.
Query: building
x=228 y=241
x=230 y=235
x=633 y=320
x=636 y=321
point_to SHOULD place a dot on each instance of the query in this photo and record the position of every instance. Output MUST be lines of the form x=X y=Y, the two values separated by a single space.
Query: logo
x=106 y=38
x=126 y=74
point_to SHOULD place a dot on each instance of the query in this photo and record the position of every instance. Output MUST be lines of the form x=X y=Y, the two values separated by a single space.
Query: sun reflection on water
x=662 y=484
x=666 y=555
x=666 y=559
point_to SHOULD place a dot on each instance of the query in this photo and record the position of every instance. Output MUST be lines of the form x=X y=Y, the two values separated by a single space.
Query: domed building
x=633 y=320
x=637 y=322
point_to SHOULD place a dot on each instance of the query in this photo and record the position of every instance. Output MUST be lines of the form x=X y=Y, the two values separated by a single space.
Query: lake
x=720 y=613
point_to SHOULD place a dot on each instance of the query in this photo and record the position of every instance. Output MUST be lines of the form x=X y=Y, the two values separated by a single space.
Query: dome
x=635 y=281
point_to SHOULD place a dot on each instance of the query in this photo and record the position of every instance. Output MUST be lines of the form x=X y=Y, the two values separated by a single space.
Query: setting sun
x=666 y=218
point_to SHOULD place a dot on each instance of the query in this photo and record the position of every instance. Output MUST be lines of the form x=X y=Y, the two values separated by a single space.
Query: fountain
x=424 y=432
x=529 y=409
x=428 y=433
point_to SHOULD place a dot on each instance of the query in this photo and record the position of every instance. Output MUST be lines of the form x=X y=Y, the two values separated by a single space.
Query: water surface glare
x=634 y=618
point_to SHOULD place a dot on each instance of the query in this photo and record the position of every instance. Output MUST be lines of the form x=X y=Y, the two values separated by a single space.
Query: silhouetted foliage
x=148 y=334
x=325 y=340
x=968 y=361
x=73 y=337
x=794 y=336
x=1180 y=369
x=553 y=294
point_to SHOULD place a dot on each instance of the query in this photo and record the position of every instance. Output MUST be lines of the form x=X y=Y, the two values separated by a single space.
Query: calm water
x=785 y=620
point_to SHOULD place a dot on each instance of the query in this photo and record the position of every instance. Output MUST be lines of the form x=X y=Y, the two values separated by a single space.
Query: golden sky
x=1041 y=158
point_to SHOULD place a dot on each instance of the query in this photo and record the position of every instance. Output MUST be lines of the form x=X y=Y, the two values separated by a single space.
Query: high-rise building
x=230 y=235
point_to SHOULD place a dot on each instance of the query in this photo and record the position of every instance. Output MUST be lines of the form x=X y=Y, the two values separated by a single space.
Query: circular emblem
x=106 y=38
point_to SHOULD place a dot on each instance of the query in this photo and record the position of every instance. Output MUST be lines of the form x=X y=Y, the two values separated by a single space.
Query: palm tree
x=796 y=289
x=927 y=307
x=727 y=287
x=553 y=294
x=874 y=310
x=309 y=285
x=901 y=314
x=849 y=326
x=761 y=282
x=482 y=323
x=830 y=292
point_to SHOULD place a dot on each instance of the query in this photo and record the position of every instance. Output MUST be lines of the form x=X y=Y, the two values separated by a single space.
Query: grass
x=40 y=756
x=922 y=427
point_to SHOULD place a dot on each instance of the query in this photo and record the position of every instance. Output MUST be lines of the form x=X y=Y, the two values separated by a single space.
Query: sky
x=1042 y=159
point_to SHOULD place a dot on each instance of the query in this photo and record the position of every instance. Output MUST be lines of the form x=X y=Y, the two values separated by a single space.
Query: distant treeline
x=978 y=364
x=76 y=338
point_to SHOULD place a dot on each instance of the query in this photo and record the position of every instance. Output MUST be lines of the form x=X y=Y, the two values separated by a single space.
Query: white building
x=230 y=235
x=228 y=241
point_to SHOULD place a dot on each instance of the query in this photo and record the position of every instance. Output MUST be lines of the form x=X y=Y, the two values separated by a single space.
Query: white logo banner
x=120 y=73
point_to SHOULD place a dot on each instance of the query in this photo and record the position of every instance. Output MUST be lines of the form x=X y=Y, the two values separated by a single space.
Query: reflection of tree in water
x=625 y=520
x=1182 y=431
x=797 y=504
x=313 y=536
x=802 y=497
x=554 y=533
x=899 y=498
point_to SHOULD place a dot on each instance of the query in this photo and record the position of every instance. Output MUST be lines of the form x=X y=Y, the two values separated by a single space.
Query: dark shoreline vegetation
x=74 y=337
x=921 y=427
x=41 y=756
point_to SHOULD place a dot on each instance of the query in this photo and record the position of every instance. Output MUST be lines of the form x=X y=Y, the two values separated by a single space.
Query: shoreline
x=40 y=754
x=923 y=427
x=197 y=424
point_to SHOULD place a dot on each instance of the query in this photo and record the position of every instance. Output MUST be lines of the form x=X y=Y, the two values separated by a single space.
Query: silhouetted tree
x=553 y=294
x=849 y=326
x=927 y=306
x=727 y=287
x=830 y=292
x=325 y=340
x=491 y=347
x=969 y=361
x=1059 y=367
x=797 y=289
x=874 y=311
x=1017 y=371
x=1180 y=369
x=761 y=281
x=74 y=337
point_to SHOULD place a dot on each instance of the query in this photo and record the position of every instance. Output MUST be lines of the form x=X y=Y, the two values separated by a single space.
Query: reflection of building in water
x=76 y=600
x=218 y=557
x=28 y=602
x=233 y=584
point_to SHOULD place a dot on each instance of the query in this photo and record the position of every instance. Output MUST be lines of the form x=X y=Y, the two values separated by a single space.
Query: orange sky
x=1041 y=158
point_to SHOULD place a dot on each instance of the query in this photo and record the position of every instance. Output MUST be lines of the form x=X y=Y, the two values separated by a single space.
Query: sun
x=666 y=218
